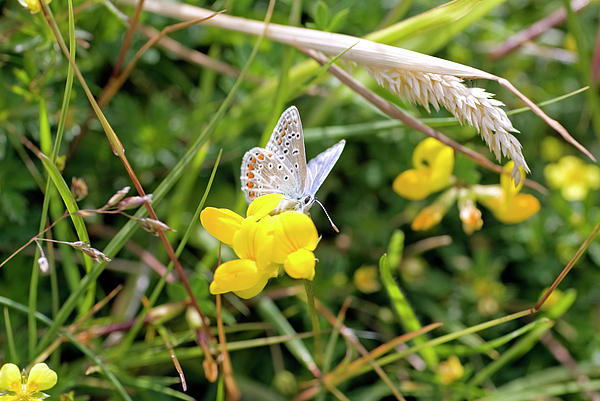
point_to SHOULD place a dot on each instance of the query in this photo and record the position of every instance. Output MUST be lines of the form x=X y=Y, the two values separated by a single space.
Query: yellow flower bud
x=300 y=264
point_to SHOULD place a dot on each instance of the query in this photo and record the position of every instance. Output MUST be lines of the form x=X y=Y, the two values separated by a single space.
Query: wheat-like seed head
x=472 y=105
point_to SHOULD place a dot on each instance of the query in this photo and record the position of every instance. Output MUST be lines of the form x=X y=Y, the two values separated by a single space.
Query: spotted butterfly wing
x=281 y=167
x=287 y=140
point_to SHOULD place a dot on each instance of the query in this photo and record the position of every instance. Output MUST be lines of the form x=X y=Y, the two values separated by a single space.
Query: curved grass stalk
x=397 y=69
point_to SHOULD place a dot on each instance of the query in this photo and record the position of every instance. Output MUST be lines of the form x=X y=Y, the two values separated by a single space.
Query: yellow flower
x=433 y=162
x=20 y=387
x=504 y=201
x=450 y=370
x=295 y=237
x=432 y=215
x=469 y=214
x=366 y=279
x=263 y=243
x=251 y=240
x=224 y=223
x=573 y=177
x=33 y=5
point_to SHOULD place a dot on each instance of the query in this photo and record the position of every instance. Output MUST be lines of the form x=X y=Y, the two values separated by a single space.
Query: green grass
x=179 y=131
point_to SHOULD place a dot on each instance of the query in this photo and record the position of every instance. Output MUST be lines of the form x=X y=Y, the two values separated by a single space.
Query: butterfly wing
x=265 y=172
x=287 y=141
x=318 y=168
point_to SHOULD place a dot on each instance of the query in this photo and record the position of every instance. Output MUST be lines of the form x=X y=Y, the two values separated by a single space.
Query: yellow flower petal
x=518 y=208
x=366 y=279
x=263 y=205
x=412 y=184
x=433 y=155
x=41 y=378
x=254 y=290
x=293 y=231
x=470 y=215
x=573 y=177
x=450 y=370
x=235 y=275
x=300 y=264
x=221 y=223
x=428 y=217
x=433 y=162
x=10 y=377
x=507 y=183
x=33 y=5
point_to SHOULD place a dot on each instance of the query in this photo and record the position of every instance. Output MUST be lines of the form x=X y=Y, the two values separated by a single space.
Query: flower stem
x=310 y=299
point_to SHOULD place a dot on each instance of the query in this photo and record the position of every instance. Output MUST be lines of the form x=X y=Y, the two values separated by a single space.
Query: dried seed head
x=474 y=106
x=153 y=226
x=79 y=188
x=116 y=198
x=134 y=201
x=82 y=213
x=95 y=254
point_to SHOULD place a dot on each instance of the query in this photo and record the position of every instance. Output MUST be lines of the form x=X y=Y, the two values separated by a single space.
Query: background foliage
x=163 y=108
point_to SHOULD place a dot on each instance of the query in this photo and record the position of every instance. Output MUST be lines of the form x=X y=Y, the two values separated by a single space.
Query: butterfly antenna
x=327 y=214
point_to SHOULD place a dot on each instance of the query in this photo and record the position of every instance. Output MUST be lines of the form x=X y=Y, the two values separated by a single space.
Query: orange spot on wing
x=253 y=160
x=279 y=141
x=250 y=175
x=261 y=156
x=250 y=167
x=282 y=133
x=251 y=194
x=250 y=184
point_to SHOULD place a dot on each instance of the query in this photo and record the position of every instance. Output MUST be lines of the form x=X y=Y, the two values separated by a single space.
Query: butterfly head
x=302 y=204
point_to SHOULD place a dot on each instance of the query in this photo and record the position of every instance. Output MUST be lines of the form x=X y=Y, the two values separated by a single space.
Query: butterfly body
x=281 y=166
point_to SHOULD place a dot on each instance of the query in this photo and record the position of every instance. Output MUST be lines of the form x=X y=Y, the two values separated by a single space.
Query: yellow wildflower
x=433 y=162
x=21 y=387
x=366 y=279
x=432 y=215
x=295 y=237
x=470 y=215
x=450 y=370
x=573 y=177
x=33 y=5
x=505 y=201
x=263 y=243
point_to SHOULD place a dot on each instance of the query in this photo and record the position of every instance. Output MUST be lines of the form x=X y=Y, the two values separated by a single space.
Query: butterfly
x=281 y=167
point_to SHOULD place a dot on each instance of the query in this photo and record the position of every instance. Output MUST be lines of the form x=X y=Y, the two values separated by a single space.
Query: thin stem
x=232 y=388
x=310 y=299
x=568 y=267
x=118 y=150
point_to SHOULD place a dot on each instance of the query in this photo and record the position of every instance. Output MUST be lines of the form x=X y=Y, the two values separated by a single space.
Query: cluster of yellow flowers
x=263 y=243
x=433 y=165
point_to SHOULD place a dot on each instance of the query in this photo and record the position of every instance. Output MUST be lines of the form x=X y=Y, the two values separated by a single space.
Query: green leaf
x=407 y=315
x=322 y=15
x=337 y=20
x=45 y=136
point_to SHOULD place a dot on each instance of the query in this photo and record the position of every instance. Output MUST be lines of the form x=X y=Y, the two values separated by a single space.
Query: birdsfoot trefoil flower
x=505 y=201
x=573 y=177
x=263 y=243
x=433 y=163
